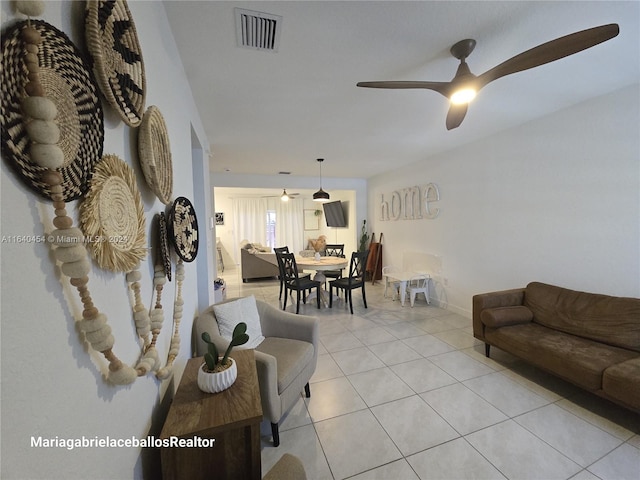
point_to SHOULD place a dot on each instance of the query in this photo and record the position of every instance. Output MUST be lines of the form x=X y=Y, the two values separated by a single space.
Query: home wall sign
x=413 y=203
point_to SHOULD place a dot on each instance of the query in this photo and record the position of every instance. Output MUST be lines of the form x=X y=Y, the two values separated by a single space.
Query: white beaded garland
x=31 y=8
x=66 y=237
x=76 y=269
x=47 y=156
x=70 y=254
x=124 y=376
x=92 y=324
x=43 y=131
x=41 y=108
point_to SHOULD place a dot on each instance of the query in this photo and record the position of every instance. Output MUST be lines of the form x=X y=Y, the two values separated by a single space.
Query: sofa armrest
x=278 y=323
x=206 y=322
x=267 y=369
x=503 y=298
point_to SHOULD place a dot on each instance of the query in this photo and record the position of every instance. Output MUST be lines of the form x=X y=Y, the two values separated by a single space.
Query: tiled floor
x=407 y=393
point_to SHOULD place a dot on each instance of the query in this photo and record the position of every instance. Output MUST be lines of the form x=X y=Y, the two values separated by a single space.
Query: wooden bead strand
x=44 y=135
x=174 y=347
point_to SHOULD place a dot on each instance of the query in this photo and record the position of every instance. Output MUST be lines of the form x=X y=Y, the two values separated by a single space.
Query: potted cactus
x=218 y=373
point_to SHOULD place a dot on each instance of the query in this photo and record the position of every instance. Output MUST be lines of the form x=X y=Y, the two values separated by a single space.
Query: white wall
x=555 y=200
x=51 y=385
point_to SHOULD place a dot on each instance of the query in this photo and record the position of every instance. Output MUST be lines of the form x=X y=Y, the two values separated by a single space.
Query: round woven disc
x=112 y=41
x=68 y=81
x=183 y=229
x=155 y=154
x=112 y=217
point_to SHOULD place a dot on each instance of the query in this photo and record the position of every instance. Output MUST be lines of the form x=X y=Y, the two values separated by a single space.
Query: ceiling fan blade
x=455 y=115
x=440 y=87
x=551 y=51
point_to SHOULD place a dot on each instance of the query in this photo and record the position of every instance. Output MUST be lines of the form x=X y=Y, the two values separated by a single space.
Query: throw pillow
x=245 y=310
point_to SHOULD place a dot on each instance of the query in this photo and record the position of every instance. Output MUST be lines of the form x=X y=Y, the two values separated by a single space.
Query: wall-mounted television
x=334 y=214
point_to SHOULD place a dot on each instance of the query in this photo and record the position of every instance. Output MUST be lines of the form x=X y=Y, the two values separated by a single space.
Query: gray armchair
x=285 y=360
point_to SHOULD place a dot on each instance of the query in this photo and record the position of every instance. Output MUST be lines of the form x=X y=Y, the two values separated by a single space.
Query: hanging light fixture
x=321 y=195
x=285 y=196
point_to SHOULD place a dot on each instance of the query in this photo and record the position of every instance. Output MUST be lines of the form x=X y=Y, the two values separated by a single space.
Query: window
x=271 y=228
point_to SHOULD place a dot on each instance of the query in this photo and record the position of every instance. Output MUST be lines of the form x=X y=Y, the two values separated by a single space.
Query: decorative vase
x=217 y=381
x=317 y=256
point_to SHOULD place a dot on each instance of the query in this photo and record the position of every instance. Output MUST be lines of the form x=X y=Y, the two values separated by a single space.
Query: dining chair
x=418 y=284
x=356 y=279
x=278 y=250
x=294 y=282
x=334 y=250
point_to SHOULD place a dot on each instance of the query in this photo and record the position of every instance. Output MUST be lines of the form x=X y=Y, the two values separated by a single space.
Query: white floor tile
x=326 y=369
x=342 y=440
x=505 y=394
x=453 y=460
x=428 y=345
x=460 y=366
x=398 y=470
x=392 y=353
x=413 y=425
x=422 y=375
x=453 y=404
x=336 y=342
x=517 y=453
x=379 y=386
x=577 y=439
x=332 y=398
x=357 y=360
x=621 y=464
x=373 y=336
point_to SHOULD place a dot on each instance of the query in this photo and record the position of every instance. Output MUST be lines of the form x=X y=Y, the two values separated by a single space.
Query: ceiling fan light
x=285 y=196
x=462 y=96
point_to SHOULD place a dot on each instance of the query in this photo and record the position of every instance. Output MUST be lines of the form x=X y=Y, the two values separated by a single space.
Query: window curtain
x=249 y=221
x=290 y=224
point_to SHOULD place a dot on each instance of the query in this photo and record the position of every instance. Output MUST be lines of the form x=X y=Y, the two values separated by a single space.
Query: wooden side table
x=231 y=417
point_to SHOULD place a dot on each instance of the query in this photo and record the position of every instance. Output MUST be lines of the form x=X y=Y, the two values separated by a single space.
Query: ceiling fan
x=284 y=196
x=465 y=85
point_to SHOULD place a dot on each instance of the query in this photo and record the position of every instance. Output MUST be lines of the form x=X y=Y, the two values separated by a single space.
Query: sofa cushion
x=229 y=314
x=612 y=320
x=292 y=357
x=622 y=382
x=503 y=316
x=576 y=359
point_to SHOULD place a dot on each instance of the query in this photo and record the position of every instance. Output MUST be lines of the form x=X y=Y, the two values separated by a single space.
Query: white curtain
x=290 y=225
x=249 y=220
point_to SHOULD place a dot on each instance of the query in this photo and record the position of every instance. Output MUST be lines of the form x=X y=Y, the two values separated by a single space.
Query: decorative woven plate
x=68 y=81
x=165 y=257
x=112 y=217
x=155 y=154
x=112 y=41
x=183 y=229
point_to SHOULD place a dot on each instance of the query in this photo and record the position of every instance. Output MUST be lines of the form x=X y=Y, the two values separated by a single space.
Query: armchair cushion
x=292 y=357
x=244 y=309
x=503 y=316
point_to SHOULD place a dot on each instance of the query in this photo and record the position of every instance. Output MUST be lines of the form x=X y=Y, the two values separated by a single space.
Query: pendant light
x=321 y=195
x=285 y=196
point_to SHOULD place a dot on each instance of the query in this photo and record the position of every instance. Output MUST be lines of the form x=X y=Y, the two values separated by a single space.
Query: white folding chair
x=418 y=284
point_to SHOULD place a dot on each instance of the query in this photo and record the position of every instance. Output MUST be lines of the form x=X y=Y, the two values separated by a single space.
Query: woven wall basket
x=154 y=153
x=112 y=217
x=68 y=81
x=183 y=229
x=117 y=58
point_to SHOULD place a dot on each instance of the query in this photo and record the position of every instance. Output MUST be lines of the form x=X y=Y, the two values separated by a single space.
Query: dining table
x=403 y=278
x=321 y=265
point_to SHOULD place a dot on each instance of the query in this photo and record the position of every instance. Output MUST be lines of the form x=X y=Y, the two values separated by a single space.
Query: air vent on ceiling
x=257 y=30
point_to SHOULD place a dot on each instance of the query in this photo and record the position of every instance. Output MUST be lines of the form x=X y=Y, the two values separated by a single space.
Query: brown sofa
x=588 y=339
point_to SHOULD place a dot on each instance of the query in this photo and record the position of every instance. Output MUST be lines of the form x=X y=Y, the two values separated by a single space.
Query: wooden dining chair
x=279 y=250
x=294 y=282
x=334 y=250
x=356 y=279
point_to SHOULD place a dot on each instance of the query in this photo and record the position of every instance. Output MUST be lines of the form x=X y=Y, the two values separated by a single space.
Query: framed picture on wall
x=219 y=218
x=311 y=220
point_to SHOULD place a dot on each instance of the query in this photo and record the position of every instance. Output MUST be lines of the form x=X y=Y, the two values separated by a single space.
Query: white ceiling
x=266 y=112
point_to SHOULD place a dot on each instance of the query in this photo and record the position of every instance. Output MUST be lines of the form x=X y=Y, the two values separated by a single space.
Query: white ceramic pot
x=217 y=382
